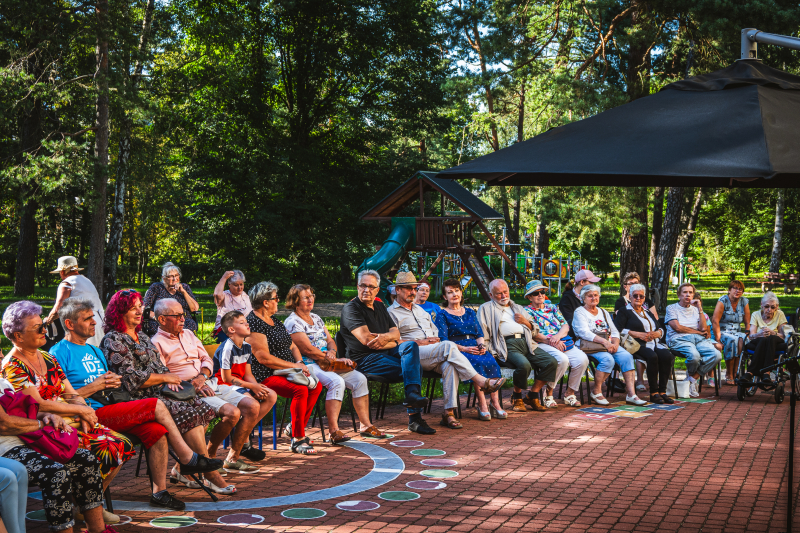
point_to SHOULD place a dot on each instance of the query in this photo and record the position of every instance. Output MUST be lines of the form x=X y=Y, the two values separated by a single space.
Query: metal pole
x=790 y=488
x=503 y=262
x=751 y=36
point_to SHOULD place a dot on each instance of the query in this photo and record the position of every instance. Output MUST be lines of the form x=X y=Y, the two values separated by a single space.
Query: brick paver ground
x=718 y=466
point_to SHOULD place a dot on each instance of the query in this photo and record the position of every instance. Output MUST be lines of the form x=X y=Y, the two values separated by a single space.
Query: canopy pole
x=752 y=36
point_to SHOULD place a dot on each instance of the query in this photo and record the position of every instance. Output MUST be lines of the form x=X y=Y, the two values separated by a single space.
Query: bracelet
x=40 y=424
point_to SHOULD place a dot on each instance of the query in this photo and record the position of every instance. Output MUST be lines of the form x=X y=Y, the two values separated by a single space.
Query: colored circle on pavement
x=173 y=522
x=428 y=452
x=439 y=462
x=303 y=513
x=357 y=505
x=407 y=443
x=39 y=516
x=398 y=495
x=426 y=484
x=439 y=473
x=240 y=519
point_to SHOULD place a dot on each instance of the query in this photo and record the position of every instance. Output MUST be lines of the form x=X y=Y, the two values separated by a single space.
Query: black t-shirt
x=278 y=340
x=354 y=315
x=568 y=304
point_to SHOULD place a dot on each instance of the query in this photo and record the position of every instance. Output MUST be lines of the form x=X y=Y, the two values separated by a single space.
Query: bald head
x=498 y=290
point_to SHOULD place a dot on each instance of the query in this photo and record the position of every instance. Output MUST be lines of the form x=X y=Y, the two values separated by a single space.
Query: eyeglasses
x=412 y=289
x=177 y=317
x=365 y=287
x=737 y=289
x=128 y=292
x=270 y=299
x=769 y=307
x=637 y=296
x=628 y=284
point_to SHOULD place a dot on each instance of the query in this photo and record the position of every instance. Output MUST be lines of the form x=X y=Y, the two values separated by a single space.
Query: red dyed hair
x=122 y=302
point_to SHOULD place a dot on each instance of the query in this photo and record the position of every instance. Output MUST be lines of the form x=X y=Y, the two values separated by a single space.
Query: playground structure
x=438 y=247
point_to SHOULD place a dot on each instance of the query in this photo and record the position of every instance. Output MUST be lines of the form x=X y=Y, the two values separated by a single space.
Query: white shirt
x=688 y=317
x=587 y=326
x=413 y=324
x=646 y=322
x=83 y=288
x=233 y=303
x=508 y=326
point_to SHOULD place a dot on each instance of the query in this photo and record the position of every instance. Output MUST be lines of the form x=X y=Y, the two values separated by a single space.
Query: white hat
x=66 y=263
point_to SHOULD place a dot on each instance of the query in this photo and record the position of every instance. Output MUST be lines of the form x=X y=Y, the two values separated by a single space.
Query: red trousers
x=136 y=417
x=303 y=401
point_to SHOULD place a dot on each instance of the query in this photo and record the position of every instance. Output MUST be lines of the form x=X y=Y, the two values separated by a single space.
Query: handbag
x=568 y=342
x=337 y=365
x=109 y=396
x=296 y=376
x=58 y=445
x=186 y=393
x=629 y=344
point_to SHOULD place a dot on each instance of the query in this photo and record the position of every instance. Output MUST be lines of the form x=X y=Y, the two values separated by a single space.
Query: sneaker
x=167 y=501
x=418 y=425
x=693 y=389
x=253 y=454
x=711 y=382
x=240 y=467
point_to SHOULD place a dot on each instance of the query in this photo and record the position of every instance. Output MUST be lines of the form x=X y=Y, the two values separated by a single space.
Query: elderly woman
x=233 y=299
x=731 y=311
x=570 y=300
x=312 y=338
x=766 y=336
x=132 y=356
x=628 y=280
x=421 y=299
x=274 y=350
x=459 y=324
x=593 y=324
x=641 y=324
x=170 y=286
x=553 y=337
x=79 y=477
x=75 y=285
x=38 y=374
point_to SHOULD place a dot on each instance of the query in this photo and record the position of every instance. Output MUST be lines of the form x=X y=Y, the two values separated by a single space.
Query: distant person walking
x=76 y=285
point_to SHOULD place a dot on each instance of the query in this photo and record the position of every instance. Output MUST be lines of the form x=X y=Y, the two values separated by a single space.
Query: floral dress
x=729 y=325
x=135 y=362
x=158 y=291
x=467 y=324
x=109 y=447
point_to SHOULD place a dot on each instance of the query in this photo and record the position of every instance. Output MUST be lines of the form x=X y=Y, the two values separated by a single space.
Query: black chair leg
x=469 y=393
x=561 y=387
x=109 y=503
x=196 y=480
x=318 y=414
x=139 y=462
x=286 y=403
x=384 y=398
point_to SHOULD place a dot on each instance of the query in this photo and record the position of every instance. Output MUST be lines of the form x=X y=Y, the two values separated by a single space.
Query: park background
x=253 y=134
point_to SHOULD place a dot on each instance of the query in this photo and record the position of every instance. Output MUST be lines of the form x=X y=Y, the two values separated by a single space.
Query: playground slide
x=393 y=248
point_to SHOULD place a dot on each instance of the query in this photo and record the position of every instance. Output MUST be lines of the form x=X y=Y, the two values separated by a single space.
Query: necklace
x=36 y=370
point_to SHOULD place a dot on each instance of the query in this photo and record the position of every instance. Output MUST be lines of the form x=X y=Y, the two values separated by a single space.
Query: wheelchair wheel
x=779 y=393
x=740 y=392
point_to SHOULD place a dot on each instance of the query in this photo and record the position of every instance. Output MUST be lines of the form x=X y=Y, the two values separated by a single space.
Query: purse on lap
x=58 y=445
x=630 y=344
x=186 y=393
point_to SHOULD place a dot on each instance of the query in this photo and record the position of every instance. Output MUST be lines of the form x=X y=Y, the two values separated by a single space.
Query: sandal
x=176 y=477
x=373 y=433
x=493 y=385
x=230 y=489
x=449 y=421
x=572 y=401
x=550 y=402
x=729 y=380
x=338 y=437
x=303 y=446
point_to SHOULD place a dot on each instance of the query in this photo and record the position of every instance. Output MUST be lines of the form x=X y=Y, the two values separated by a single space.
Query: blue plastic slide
x=393 y=248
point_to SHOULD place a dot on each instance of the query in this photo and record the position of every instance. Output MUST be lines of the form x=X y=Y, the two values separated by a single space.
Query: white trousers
x=337 y=383
x=446 y=359
x=574 y=359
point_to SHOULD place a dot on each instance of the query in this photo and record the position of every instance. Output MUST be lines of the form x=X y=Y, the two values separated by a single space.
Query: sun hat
x=586 y=274
x=66 y=263
x=405 y=279
x=534 y=285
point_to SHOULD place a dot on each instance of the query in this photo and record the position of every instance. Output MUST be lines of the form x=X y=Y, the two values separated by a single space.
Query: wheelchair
x=748 y=387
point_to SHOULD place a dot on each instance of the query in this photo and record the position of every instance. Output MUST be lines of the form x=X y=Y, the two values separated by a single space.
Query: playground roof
x=406 y=193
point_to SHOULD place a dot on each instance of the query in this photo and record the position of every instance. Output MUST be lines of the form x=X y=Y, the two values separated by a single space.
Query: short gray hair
x=589 y=288
x=15 y=315
x=168 y=267
x=373 y=273
x=162 y=306
x=72 y=307
x=769 y=296
x=636 y=287
x=238 y=275
x=260 y=292
x=495 y=282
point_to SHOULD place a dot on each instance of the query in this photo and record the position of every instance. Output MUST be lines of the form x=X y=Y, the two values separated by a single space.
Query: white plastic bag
x=683 y=389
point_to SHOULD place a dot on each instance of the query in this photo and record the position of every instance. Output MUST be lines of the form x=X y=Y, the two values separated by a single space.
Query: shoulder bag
x=590 y=347
x=186 y=393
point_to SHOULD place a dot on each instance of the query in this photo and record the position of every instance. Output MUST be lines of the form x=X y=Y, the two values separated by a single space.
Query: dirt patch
x=333 y=310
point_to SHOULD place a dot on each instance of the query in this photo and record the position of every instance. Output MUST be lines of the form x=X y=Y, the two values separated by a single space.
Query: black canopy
x=739 y=126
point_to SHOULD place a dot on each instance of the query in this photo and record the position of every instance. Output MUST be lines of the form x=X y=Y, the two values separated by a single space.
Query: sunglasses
x=637 y=296
x=539 y=293
x=128 y=292
x=39 y=328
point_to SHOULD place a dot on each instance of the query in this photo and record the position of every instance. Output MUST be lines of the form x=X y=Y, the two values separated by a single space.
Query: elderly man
x=509 y=335
x=415 y=324
x=87 y=370
x=76 y=285
x=373 y=342
x=184 y=355
x=689 y=335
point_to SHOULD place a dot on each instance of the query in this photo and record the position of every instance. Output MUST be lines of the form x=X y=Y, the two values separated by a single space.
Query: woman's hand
x=558 y=344
x=57 y=422
x=87 y=416
x=172 y=381
x=303 y=367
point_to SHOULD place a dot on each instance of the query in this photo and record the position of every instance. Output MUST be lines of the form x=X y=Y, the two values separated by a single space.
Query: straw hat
x=66 y=263
x=405 y=279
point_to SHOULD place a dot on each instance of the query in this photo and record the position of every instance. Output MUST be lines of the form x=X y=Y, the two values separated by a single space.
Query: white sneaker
x=693 y=389
x=635 y=400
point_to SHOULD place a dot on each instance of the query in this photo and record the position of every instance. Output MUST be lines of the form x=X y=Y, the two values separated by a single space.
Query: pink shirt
x=184 y=355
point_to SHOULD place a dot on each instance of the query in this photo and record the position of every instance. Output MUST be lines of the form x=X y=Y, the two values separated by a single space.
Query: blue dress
x=467 y=324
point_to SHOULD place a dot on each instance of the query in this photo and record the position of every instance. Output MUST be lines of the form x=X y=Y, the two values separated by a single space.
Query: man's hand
x=380 y=340
x=520 y=319
x=57 y=422
x=199 y=382
x=205 y=391
x=261 y=392
x=427 y=340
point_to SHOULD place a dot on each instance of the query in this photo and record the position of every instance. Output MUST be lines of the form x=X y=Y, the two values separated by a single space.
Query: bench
x=776 y=279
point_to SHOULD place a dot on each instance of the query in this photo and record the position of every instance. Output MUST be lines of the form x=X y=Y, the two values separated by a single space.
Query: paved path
x=717 y=466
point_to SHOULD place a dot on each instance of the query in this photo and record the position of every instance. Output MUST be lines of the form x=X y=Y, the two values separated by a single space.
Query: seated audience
x=570 y=300
x=38 y=374
x=731 y=311
x=86 y=368
x=76 y=285
x=766 y=336
x=628 y=280
x=312 y=338
x=415 y=324
x=553 y=337
x=459 y=324
x=133 y=357
x=373 y=342
x=593 y=324
x=421 y=299
x=66 y=487
x=509 y=335
x=274 y=350
x=170 y=286
x=641 y=324
x=688 y=334
x=233 y=299
x=184 y=355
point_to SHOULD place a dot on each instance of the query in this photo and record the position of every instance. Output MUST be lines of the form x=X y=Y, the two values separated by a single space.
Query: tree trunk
x=775 y=258
x=658 y=218
x=633 y=246
x=638 y=72
x=98 y=236
x=27 y=247
x=542 y=245
x=659 y=281
x=686 y=237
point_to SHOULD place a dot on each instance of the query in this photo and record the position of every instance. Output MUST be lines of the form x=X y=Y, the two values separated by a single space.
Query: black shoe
x=415 y=400
x=254 y=454
x=619 y=385
x=203 y=464
x=656 y=398
x=167 y=501
x=667 y=399
x=418 y=425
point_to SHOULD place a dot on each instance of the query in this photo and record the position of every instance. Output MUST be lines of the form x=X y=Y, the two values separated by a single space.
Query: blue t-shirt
x=81 y=364
x=432 y=309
